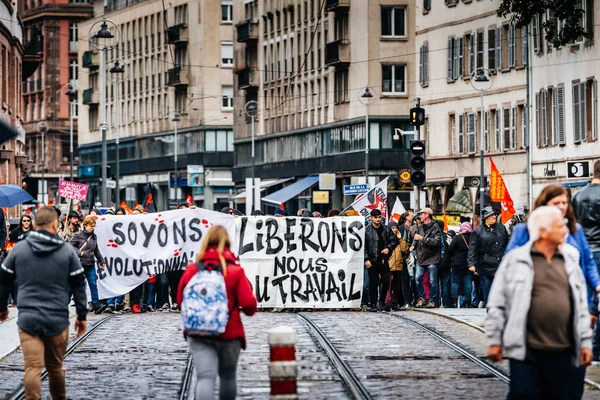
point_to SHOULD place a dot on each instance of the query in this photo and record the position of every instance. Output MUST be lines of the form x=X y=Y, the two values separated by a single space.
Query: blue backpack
x=205 y=308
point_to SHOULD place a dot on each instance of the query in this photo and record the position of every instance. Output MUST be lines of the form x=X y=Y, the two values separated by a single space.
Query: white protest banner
x=72 y=190
x=137 y=246
x=375 y=198
x=303 y=262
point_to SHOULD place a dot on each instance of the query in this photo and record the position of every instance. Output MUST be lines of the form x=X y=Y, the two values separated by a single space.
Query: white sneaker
x=480 y=304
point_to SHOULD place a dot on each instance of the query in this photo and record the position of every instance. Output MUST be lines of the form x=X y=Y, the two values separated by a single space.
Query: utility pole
x=417 y=189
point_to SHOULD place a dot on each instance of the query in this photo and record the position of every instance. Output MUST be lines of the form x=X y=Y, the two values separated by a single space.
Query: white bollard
x=283 y=369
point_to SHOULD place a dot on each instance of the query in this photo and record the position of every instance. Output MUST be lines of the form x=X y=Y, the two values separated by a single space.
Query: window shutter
x=583 y=111
x=514 y=129
x=506 y=127
x=537 y=119
x=461 y=133
x=492 y=48
x=486 y=132
x=594 y=110
x=471 y=133
x=471 y=53
x=461 y=56
x=426 y=63
x=498 y=136
x=450 y=48
x=421 y=65
x=560 y=96
x=544 y=94
x=524 y=49
x=555 y=116
x=499 y=47
x=510 y=45
x=455 y=59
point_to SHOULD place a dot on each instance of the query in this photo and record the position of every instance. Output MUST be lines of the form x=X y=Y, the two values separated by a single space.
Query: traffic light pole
x=417 y=189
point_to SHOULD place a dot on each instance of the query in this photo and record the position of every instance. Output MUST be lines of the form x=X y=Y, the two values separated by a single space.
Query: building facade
x=178 y=77
x=13 y=157
x=52 y=30
x=565 y=106
x=453 y=40
x=307 y=65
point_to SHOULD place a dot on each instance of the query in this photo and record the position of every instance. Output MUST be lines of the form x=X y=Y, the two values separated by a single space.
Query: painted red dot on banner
x=156 y=219
x=162 y=221
x=176 y=254
x=160 y=215
x=95 y=217
x=205 y=222
x=110 y=241
x=108 y=245
x=115 y=245
x=103 y=219
x=180 y=249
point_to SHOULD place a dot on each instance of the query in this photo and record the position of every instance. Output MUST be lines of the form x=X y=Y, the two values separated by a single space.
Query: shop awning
x=263 y=186
x=289 y=192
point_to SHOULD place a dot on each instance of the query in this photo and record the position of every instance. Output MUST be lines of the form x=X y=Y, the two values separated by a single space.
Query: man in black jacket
x=45 y=268
x=428 y=243
x=486 y=248
x=380 y=241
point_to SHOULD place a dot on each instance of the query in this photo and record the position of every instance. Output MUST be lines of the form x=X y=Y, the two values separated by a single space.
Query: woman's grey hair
x=542 y=218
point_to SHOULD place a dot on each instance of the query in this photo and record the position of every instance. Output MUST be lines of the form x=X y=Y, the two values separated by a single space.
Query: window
x=480 y=49
x=497 y=134
x=594 y=107
x=471 y=134
x=492 y=48
x=341 y=86
x=558 y=115
x=506 y=127
x=227 y=96
x=393 y=21
x=454 y=56
x=73 y=72
x=93 y=117
x=537 y=33
x=499 y=62
x=424 y=64
x=394 y=79
x=579 y=112
x=73 y=36
x=459 y=44
x=461 y=134
x=452 y=133
x=512 y=46
x=471 y=51
x=486 y=132
x=226 y=11
x=227 y=54
x=513 y=129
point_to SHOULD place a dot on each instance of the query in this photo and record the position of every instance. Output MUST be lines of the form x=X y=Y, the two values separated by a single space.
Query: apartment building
x=565 y=105
x=453 y=40
x=307 y=63
x=51 y=29
x=178 y=65
x=13 y=159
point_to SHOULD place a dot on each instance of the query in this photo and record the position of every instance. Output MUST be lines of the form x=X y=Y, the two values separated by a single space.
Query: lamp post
x=105 y=34
x=365 y=98
x=251 y=110
x=175 y=120
x=71 y=96
x=43 y=128
x=484 y=78
x=117 y=70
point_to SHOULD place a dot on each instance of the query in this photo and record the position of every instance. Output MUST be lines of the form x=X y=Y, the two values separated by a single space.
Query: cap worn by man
x=426 y=210
x=73 y=214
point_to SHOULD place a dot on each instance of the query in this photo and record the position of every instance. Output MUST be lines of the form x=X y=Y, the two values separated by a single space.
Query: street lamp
x=117 y=70
x=484 y=77
x=175 y=119
x=43 y=128
x=71 y=96
x=105 y=35
x=366 y=98
x=251 y=110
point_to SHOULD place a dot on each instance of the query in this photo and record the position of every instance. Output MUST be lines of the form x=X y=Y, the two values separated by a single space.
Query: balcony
x=178 y=77
x=337 y=53
x=337 y=5
x=178 y=34
x=91 y=59
x=91 y=96
x=247 y=78
x=247 y=31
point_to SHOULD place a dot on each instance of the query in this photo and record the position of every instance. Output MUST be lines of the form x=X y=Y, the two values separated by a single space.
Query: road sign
x=326 y=181
x=195 y=176
x=352 y=190
x=111 y=184
x=417 y=116
x=405 y=176
x=320 y=197
x=578 y=169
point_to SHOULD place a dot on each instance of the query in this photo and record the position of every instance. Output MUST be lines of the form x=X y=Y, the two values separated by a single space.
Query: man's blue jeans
x=462 y=280
x=596 y=342
x=486 y=285
x=433 y=282
x=90 y=275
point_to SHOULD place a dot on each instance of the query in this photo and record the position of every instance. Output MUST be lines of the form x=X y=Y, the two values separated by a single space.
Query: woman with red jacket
x=212 y=354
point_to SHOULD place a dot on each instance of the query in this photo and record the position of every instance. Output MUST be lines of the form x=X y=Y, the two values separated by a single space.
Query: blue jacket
x=520 y=236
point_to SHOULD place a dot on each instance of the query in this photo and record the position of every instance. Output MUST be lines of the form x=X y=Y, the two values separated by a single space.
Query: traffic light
x=417 y=162
x=417 y=116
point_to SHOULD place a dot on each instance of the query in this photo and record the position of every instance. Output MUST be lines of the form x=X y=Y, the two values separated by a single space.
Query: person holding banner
x=219 y=354
x=86 y=244
x=380 y=242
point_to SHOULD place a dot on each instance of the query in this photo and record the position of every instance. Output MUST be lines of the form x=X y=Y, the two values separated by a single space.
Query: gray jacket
x=510 y=298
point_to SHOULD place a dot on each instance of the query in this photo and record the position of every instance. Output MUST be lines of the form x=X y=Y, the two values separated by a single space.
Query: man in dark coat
x=428 y=243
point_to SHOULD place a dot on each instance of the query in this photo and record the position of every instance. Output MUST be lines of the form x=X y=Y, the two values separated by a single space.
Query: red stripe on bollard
x=281 y=387
x=283 y=353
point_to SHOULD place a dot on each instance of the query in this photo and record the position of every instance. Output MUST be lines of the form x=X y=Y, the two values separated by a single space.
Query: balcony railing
x=337 y=53
x=178 y=77
x=247 y=78
x=337 y=5
x=247 y=31
x=90 y=59
x=90 y=96
x=32 y=85
x=178 y=34
x=38 y=84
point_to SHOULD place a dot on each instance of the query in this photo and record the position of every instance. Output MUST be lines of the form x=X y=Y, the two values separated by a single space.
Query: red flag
x=445 y=219
x=126 y=207
x=136 y=205
x=499 y=193
x=281 y=207
x=28 y=211
x=189 y=200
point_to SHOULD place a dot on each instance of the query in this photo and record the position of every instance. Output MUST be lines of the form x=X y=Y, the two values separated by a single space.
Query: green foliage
x=568 y=14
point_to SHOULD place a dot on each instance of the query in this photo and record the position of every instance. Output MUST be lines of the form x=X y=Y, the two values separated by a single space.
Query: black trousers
x=174 y=278
x=379 y=273
x=400 y=287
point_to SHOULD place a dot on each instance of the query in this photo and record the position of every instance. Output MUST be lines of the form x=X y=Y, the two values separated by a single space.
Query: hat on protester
x=426 y=210
x=317 y=214
x=465 y=227
x=110 y=211
x=227 y=210
x=73 y=214
x=376 y=213
x=393 y=224
x=487 y=212
x=257 y=213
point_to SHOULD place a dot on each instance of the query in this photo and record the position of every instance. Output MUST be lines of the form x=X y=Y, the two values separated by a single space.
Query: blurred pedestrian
x=22 y=230
x=333 y=213
x=486 y=248
x=427 y=242
x=120 y=211
x=86 y=244
x=71 y=227
x=214 y=355
x=444 y=270
x=400 y=294
x=462 y=278
x=46 y=269
x=538 y=313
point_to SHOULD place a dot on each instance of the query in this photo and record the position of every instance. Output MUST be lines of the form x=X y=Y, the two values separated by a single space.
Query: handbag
x=82 y=247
